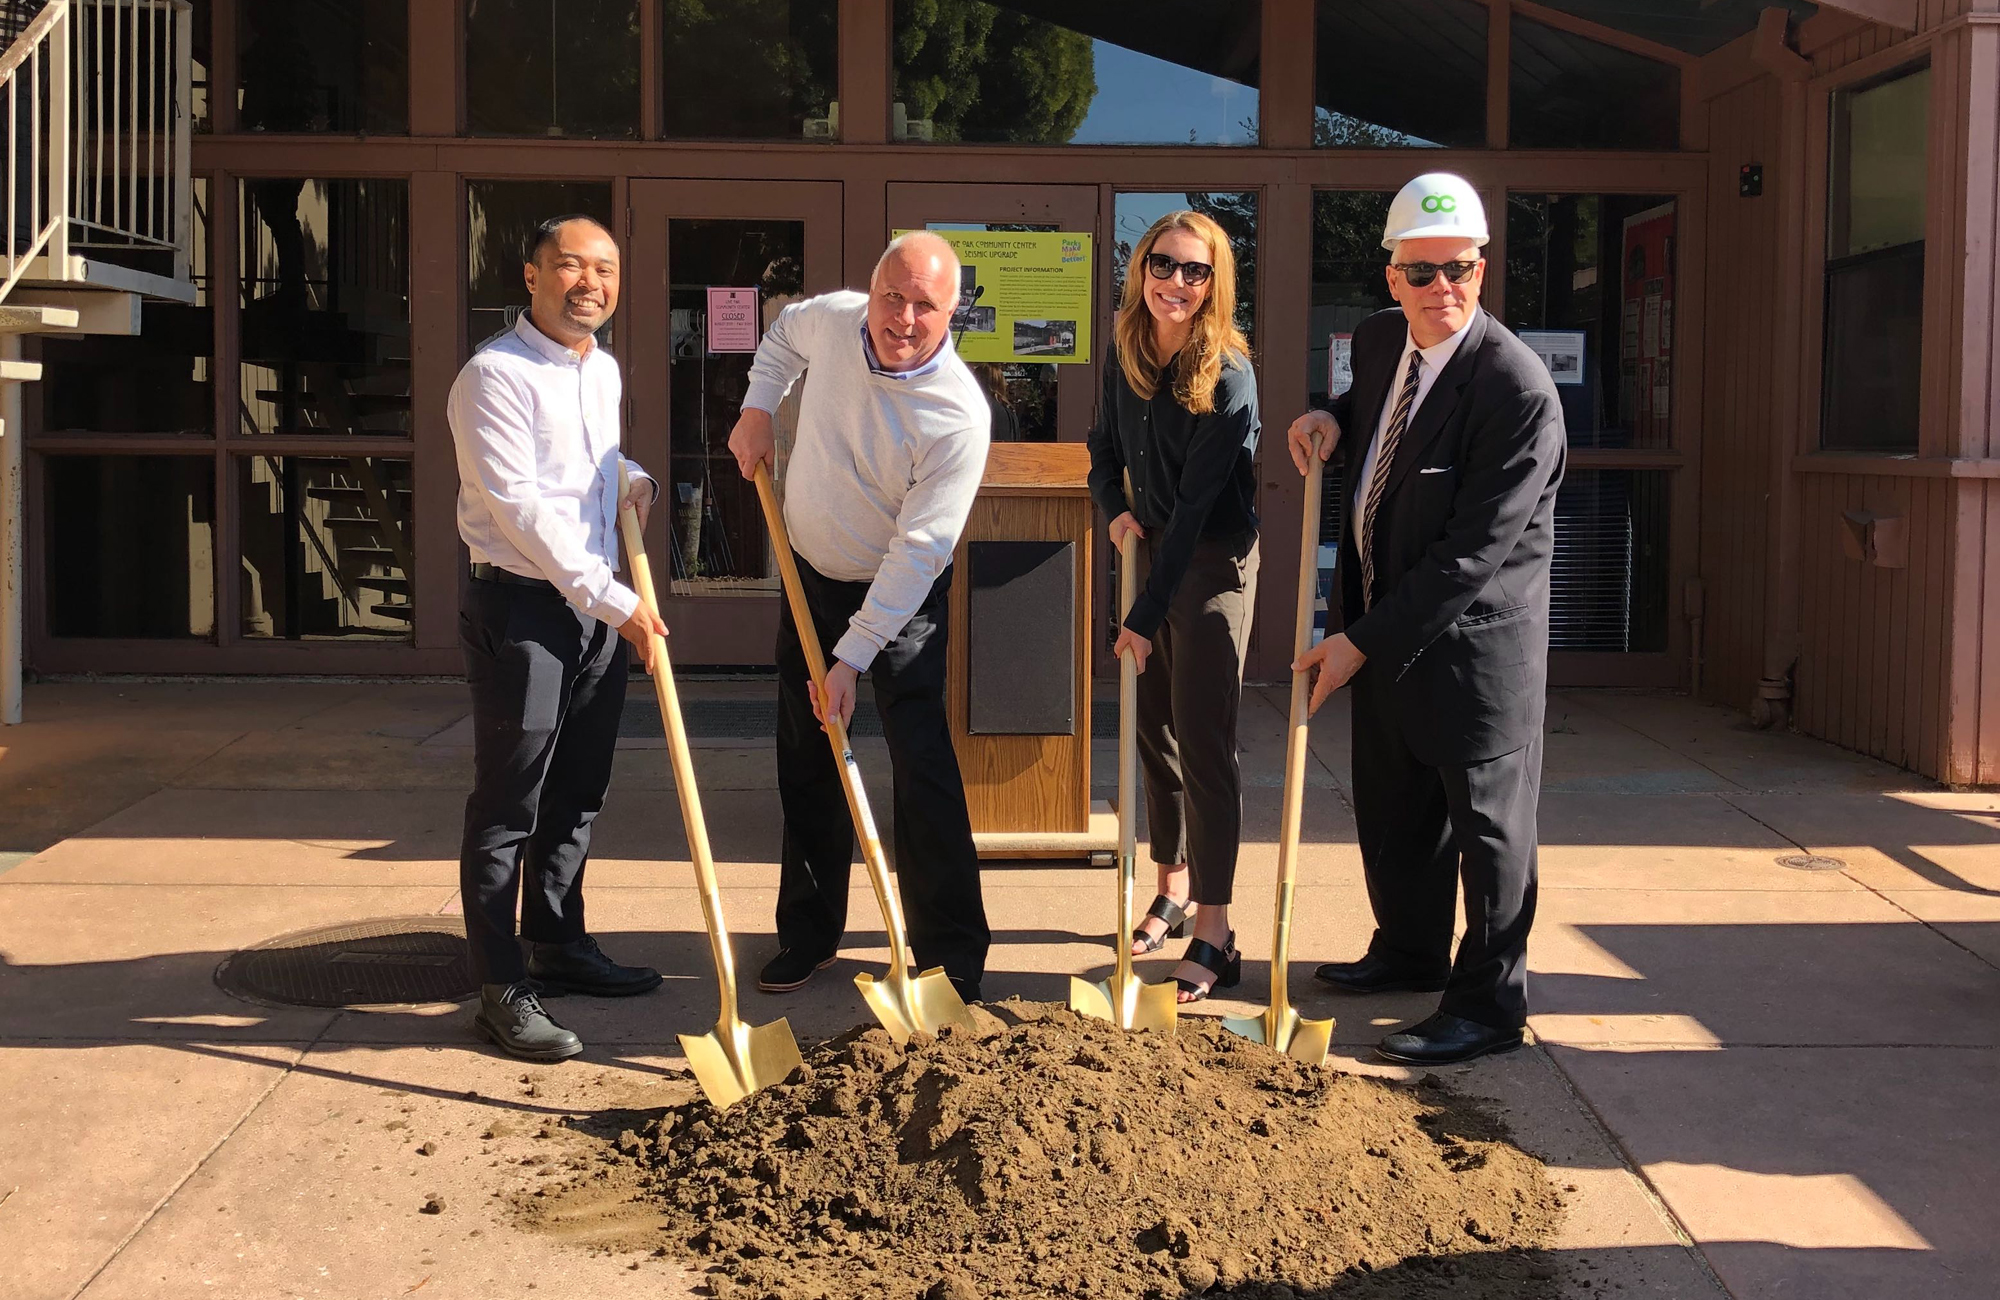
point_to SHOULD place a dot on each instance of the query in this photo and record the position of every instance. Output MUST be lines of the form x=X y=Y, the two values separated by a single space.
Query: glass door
x=712 y=264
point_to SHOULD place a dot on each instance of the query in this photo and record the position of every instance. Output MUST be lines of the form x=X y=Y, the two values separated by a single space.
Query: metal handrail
x=99 y=153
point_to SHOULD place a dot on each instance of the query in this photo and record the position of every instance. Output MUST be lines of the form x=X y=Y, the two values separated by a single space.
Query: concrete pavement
x=1774 y=1081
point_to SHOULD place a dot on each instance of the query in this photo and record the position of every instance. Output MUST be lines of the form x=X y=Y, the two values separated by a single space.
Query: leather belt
x=494 y=573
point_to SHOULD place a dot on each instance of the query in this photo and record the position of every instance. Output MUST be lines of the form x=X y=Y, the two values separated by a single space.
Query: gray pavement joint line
x=1312 y=751
x=1633 y=1168
x=200 y=1164
x=1932 y=927
x=1642 y=733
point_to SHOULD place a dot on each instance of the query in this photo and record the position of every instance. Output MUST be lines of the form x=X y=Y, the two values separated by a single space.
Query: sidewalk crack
x=202 y=1163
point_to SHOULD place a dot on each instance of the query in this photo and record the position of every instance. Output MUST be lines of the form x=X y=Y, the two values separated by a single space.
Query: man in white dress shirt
x=534 y=416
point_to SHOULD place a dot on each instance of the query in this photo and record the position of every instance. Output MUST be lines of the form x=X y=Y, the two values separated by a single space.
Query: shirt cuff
x=617 y=607
x=1145 y=616
x=856 y=650
x=641 y=476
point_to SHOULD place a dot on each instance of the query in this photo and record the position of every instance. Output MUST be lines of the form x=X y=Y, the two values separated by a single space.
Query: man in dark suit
x=1453 y=457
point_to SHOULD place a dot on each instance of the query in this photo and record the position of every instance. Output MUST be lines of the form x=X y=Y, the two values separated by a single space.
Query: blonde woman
x=1179 y=414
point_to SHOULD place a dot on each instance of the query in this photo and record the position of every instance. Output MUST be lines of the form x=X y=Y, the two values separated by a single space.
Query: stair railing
x=97 y=101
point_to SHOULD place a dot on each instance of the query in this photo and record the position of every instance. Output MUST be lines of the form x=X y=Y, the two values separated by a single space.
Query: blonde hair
x=1212 y=336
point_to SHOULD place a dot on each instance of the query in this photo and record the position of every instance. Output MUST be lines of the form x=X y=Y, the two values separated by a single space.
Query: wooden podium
x=1019 y=676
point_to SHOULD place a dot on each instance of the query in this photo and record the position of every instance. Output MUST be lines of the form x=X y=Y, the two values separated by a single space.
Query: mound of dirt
x=1052 y=1155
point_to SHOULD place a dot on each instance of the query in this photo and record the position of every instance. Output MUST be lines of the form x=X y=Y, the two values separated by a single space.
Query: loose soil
x=1051 y=1155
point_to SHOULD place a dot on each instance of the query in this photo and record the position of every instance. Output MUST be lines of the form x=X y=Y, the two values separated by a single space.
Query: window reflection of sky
x=1144 y=100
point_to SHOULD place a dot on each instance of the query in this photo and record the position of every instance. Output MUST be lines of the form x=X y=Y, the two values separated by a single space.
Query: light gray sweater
x=885 y=466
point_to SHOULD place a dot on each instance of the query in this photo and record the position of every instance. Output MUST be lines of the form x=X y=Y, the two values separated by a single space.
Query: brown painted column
x=1285 y=75
x=437 y=276
x=437 y=68
x=864 y=71
x=1285 y=264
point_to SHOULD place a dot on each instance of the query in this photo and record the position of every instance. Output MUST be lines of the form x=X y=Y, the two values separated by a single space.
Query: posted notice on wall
x=1339 y=364
x=1560 y=350
x=1022 y=295
x=732 y=320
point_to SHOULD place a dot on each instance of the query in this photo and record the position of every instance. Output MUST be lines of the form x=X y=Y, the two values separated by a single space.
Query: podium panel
x=1018 y=690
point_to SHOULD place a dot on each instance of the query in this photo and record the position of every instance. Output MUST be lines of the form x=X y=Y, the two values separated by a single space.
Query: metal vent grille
x=1591 y=579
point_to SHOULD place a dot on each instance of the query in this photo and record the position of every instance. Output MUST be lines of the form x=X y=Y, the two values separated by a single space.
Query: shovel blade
x=1093 y=1000
x=1138 y=1005
x=1302 y=1040
x=906 y=1005
x=729 y=1067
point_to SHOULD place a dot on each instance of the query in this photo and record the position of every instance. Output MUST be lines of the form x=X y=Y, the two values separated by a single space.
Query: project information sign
x=1022 y=295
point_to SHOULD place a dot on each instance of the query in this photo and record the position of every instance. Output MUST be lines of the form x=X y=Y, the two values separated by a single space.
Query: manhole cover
x=1811 y=862
x=362 y=963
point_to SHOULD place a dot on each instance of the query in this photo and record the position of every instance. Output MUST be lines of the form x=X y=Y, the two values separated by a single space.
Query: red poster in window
x=1646 y=341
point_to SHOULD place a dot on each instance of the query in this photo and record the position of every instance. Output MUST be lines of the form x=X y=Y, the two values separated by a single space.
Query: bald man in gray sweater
x=891 y=443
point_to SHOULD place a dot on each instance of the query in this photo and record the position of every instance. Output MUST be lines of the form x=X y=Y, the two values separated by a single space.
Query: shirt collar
x=525 y=330
x=875 y=363
x=1439 y=354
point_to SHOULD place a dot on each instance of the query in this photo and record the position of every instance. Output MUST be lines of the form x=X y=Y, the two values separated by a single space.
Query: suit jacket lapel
x=1438 y=405
x=1369 y=395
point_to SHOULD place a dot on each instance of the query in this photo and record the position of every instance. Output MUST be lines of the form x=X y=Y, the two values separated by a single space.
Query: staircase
x=95 y=100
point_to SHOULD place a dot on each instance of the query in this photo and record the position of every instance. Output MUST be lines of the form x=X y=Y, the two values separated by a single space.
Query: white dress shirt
x=1436 y=357
x=536 y=428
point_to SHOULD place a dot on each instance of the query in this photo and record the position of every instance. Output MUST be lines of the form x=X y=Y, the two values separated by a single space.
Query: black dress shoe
x=582 y=967
x=1444 y=1039
x=967 y=990
x=511 y=1017
x=790 y=969
x=1373 y=975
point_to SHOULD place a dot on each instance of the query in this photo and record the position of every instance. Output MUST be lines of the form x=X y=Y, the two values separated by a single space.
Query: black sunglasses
x=1420 y=274
x=1193 y=274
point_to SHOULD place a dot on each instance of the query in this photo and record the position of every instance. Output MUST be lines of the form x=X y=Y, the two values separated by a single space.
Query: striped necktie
x=1378 y=482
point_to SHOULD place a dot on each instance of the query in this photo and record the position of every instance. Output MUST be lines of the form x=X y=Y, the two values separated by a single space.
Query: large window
x=1875 y=265
x=324 y=543
x=552 y=67
x=1566 y=91
x=1590 y=286
x=329 y=65
x=159 y=381
x=325 y=323
x=1168 y=72
x=1399 y=74
x=750 y=69
x=499 y=216
x=128 y=545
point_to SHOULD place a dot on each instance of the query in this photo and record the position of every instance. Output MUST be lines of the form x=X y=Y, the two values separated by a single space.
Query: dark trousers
x=1189 y=697
x=937 y=868
x=548 y=683
x=1424 y=831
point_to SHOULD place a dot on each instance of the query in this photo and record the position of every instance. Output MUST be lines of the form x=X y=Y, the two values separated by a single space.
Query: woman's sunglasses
x=1193 y=274
x=1420 y=274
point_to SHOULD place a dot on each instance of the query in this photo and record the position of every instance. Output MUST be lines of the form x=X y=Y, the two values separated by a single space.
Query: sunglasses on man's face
x=1420 y=274
x=1193 y=274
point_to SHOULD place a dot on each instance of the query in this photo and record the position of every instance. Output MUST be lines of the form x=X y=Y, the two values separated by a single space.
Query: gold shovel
x=1124 y=999
x=734 y=1059
x=1280 y=1026
x=902 y=1002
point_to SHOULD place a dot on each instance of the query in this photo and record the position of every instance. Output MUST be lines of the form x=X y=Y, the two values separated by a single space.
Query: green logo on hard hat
x=1439 y=203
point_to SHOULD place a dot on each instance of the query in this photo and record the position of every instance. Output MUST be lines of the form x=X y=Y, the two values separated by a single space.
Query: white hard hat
x=1436 y=205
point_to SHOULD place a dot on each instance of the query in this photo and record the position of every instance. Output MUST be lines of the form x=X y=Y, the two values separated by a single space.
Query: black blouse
x=1193 y=476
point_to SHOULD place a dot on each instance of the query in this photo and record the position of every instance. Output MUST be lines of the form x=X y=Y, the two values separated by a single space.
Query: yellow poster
x=1022 y=295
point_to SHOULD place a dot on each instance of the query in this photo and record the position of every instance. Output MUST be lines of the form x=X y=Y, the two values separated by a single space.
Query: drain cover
x=363 y=963
x=1811 y=862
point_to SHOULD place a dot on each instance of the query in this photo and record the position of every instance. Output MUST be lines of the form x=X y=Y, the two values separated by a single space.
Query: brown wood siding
x=1737 y=427
x=1871 y=673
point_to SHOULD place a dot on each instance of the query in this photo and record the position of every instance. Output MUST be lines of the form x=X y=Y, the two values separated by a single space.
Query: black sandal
x=1226 y=964
x=1163 y=909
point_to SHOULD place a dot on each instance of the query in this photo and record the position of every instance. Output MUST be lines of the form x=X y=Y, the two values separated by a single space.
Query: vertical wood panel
x=1931 y=666
x=1987 y=770
x=1910 y=701
x=1285 y=74
x=864 y=71
x=1284 y=307
x=437 y=278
